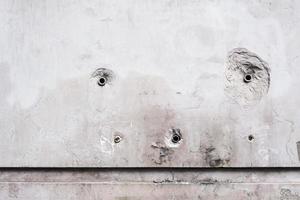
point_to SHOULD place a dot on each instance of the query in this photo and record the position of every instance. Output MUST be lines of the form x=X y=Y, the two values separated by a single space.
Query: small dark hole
x=117 y=139
x=250 y=138
x=176 y=138
x=247 y=78
x=102 y=81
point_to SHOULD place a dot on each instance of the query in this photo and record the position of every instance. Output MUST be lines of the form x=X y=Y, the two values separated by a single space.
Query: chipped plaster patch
x=247 y=77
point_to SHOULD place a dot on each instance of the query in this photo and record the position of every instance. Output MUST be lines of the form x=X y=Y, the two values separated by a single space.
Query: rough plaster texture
x=133 y=184
x=247 y=76
x=169 y=61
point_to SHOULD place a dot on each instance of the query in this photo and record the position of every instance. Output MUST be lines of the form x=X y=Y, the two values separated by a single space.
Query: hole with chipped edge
x=102 y=81
x=117 y=139
x=250 y=138
x=176 y=138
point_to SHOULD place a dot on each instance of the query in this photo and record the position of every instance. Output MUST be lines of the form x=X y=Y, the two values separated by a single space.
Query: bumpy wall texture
x=248 y=76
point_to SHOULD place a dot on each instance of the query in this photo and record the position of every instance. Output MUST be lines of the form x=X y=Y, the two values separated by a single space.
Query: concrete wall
x=156 y=84
x=168 y=67
x=137 y=184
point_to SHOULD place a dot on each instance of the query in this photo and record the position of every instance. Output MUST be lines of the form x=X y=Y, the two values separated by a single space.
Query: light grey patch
x=298 y=149
x=5 y=86
x=287 y=194
x=85 y=56
x=13 y=190
x=90 y=12
x=128 y=198
x=104 y=76
x=164 y=153
x=107 y=19
x=247 y=77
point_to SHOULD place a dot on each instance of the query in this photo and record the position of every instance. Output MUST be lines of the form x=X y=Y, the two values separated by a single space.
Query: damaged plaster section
x=213 y=158
x=164 y=150
x=164 y=153
x=104 y=76
x=173 y=138
x=247 y=77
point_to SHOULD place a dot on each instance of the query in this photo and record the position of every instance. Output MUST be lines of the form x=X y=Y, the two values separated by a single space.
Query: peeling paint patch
x=247 y=77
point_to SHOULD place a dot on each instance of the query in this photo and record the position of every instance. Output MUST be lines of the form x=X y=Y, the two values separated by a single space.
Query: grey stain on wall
x=164 y=153
x=287 y=194
x=213 y=159
x=247 y=77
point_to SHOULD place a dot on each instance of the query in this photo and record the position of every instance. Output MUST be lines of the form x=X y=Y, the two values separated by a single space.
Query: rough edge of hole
x=176 y=138
x=250 y=138
x=117 y=139
x=102 y=81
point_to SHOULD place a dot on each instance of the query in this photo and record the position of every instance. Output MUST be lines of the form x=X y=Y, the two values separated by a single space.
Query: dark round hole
x=250 y=138
x=102 y=81
x=247 y=78
x=117 y=139
x=176 y=138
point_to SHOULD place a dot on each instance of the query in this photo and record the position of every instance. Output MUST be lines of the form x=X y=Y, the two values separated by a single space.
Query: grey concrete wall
x=134 y=184
x=159 y=84
x=169 y=67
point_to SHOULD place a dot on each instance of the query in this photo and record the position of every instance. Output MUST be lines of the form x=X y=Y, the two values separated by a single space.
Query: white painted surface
x=169 y=59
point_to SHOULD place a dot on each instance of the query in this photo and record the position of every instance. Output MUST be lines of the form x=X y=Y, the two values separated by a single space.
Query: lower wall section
x=121 y=184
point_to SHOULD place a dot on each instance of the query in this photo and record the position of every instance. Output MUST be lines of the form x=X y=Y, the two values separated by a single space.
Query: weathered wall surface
x=104 y=83
x=149 y=184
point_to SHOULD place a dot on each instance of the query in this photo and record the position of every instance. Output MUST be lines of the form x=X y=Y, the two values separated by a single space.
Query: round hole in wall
x=176 y=138
x=102 y=81
x=250 y=138
x=248 y=78
x=117 y=139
